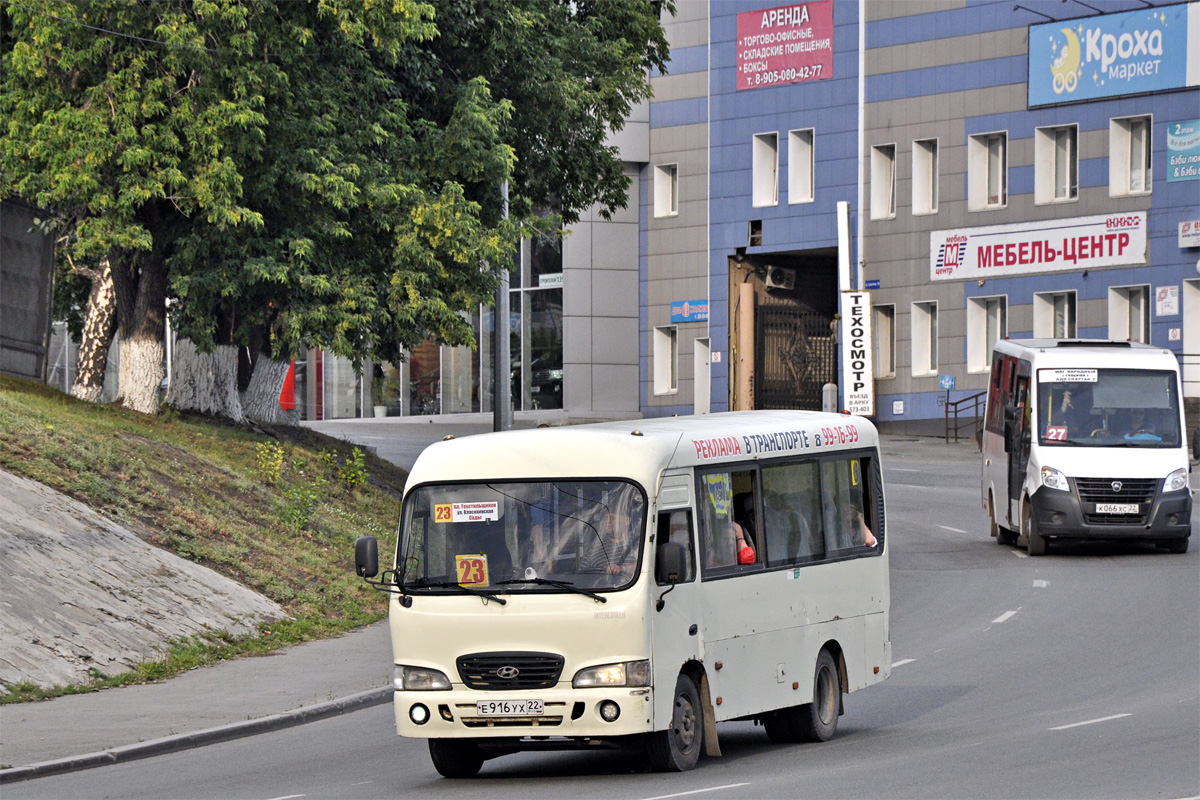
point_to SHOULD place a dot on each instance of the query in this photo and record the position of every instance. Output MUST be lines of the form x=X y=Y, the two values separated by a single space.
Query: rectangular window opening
x=766 y=169
x=800 y=166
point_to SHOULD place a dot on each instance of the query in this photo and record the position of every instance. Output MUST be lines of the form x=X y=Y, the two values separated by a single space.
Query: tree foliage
x=315 y=173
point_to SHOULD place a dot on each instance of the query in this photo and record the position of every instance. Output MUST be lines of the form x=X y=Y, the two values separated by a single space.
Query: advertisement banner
x=1145 y=50
x=788 y=44
x=1183 y=151
x=689 y=310
x=998 y=251
x=858 y=354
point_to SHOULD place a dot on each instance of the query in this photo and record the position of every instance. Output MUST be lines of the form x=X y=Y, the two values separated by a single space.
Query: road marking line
x=902 y=469
x=288 y=797
x=1090 y=722
x=697 y=791
x=1005 y=617
x=1019 y=553
x=902 y=662
x=1040 y=584
x=948 y=528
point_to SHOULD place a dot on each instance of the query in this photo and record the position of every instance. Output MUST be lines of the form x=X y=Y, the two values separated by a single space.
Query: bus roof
x=638 y=449
x=1092 y=352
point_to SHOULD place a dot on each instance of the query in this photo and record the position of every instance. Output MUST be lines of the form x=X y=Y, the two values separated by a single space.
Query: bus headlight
x=1053 y=479
x=418 y=679
x=1175 y=481
x=627 y=673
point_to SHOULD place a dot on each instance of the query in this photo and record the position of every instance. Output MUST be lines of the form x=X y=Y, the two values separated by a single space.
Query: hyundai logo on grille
x=1116 y=486
x=507 y=673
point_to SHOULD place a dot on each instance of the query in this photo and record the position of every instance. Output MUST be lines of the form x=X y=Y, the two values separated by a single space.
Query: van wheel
x=818 y=719
x=1035 y=542
x=677 y=749
x=1003 y=535
x=455 y=759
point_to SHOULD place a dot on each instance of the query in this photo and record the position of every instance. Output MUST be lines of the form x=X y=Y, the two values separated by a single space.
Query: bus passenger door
x=1017 y=439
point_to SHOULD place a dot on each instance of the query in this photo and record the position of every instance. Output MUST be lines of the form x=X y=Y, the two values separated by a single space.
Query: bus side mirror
x=668 y=567
x=366 y=556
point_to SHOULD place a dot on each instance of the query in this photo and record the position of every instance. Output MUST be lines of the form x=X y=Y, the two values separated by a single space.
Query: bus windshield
x=522 y=536
x=1108 y=408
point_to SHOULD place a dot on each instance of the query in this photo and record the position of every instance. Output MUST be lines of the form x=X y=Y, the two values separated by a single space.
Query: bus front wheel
x=1035 y=542
x=818 y=719
x=454 y=758
x=677 y=749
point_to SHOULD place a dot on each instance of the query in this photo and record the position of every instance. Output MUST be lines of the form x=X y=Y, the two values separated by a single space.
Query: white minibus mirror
x=366 y=556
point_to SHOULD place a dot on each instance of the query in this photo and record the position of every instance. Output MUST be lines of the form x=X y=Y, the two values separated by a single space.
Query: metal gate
x=794 y=356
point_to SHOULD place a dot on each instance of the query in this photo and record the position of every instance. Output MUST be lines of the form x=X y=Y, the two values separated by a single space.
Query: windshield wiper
x=423 y=584
x=570 y=587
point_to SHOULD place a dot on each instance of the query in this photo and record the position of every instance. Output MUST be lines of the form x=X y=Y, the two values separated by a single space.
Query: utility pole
x=501 y=352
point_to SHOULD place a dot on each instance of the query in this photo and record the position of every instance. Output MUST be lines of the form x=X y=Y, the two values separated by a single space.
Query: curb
x=187 y=741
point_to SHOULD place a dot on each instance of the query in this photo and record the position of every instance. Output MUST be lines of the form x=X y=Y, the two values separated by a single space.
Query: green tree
x=311 y=173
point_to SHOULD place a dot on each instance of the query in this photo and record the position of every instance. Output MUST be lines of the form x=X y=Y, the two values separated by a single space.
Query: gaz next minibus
x=1084 y=439
x=635 y=583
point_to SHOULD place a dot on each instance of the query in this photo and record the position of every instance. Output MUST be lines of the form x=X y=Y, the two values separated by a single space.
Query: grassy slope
x=195 y=486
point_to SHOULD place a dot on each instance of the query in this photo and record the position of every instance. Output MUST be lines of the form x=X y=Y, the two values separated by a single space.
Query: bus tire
x=1003 y=535
x=677 y=749
x=454 y=758
x=818 y=719
x=1035 y=543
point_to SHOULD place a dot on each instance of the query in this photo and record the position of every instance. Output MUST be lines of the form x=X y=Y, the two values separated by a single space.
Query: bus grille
x=1133 y=490
x=510 y=671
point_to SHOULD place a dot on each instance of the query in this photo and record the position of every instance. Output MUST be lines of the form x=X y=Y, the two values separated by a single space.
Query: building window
x=666 y=190
x=883 y=181
x=987 y=171
x=925 y=177
x=800 y=166
x=1129 y=313
x=987 y=323
x=1054 y=315
x=1056 y=164
x=1129 y=156
x=925 y=338
x=885 y=341
x=666 y=359
x=766 y=169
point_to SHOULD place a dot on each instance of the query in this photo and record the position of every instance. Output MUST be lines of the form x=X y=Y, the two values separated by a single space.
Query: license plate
x=509 y=708
x=1117 y=508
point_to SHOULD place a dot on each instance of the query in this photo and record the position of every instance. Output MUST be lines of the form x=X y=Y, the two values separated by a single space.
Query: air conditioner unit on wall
x=780 y=278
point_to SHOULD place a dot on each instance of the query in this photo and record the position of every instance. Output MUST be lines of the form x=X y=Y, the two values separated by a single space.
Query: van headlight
x=1175 y=481
x=627 y=673
x=1053 y=479
x=418 y=679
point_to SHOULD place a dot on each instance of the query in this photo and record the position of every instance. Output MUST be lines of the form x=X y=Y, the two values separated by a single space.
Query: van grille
x=510 y=671
x=1133 y=490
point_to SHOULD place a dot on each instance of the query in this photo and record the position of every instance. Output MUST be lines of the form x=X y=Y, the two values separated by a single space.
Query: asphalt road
x=1076 y=675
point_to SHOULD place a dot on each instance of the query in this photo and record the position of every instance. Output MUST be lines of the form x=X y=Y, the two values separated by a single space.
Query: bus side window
x=676 y=526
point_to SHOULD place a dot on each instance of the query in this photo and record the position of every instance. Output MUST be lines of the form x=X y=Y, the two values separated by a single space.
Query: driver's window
x=676 y=526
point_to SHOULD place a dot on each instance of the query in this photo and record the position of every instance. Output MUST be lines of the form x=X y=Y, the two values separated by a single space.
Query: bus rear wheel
x=818 y=719
x=677 y=749
x=1002 y=534
x=455 y=759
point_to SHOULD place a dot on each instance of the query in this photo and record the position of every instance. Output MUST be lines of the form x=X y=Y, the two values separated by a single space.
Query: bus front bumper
x=1062 y=514
x=573 y=714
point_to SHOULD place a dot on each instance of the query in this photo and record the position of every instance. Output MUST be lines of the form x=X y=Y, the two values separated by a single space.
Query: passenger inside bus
x=1138 y=424
x=612 y=547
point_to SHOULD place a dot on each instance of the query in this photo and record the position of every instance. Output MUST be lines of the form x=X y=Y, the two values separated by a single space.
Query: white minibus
x=1083 y=439
x=631 y=584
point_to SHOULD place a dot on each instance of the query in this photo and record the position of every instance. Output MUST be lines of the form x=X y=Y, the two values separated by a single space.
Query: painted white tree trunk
x=142 y=372
x=205 y=382
x=260 y=401
x=100 y=324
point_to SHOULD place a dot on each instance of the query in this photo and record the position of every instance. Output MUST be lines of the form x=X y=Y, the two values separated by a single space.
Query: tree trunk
x=99 y=327
x=206 y=382
x=141 y=290
x=260 y=401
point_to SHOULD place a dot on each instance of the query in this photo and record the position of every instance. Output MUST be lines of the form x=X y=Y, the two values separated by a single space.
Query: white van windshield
x=528 y=536
x=1108 y=408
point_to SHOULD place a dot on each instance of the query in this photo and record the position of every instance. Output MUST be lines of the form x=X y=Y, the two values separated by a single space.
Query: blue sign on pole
x=872 y=284
x=947 y=381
